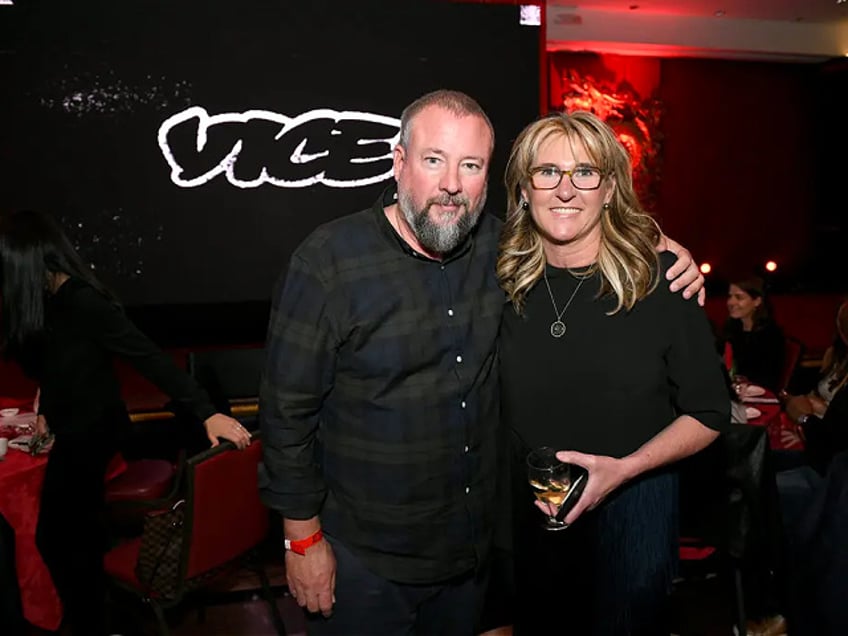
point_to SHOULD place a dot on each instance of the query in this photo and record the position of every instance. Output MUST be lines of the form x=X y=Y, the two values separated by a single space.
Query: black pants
x=71 y=532
x=369 y=605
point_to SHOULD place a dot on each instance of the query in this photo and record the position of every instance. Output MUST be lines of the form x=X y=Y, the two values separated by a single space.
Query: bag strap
x=176 y=524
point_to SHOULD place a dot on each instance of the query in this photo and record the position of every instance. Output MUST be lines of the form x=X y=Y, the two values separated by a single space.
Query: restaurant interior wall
x=741 y=177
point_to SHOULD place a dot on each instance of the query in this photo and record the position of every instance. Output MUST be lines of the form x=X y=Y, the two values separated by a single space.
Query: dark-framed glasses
x=582 y=177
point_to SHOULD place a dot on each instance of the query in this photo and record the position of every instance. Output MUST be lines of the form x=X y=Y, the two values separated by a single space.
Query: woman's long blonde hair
x=627 y=258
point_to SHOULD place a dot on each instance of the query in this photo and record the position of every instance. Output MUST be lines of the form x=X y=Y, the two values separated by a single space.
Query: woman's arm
x=699 y=393
x=108 y=325
x=683 y=437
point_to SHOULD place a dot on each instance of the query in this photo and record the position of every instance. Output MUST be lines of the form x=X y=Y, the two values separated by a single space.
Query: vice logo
x=340 y=149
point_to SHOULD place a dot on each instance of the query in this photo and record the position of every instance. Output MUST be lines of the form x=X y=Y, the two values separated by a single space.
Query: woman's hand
x=40 y=428
x=791 y=438
x=605 y=475
x=220 y=426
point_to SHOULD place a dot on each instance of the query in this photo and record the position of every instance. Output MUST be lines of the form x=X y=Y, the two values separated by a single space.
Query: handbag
x=158 y=565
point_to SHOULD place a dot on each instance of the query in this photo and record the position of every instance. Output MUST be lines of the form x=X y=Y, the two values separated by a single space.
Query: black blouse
x=80 y=392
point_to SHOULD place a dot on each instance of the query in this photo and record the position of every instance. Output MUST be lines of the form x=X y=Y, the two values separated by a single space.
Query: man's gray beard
x=440 y=238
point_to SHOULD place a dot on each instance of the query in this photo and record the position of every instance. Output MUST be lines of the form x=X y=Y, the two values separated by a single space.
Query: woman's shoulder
x=77 y=293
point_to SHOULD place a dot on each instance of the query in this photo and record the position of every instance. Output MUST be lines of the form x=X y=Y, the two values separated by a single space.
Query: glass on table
x=740 y=384
x=550 y=480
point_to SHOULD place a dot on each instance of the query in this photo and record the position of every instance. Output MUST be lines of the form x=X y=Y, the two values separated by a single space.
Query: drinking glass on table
x=550 y=480
x=740 y=384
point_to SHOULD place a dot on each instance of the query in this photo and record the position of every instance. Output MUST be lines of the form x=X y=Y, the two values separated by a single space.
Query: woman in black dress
x=756 y=339
x=603 y=363
x=64 y=328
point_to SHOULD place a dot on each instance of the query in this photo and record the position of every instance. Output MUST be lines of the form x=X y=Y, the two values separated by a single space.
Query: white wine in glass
x=550 y=480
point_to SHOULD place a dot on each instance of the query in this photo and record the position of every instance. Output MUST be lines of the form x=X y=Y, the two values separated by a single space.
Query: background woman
x=599 y=360
x=64 y=328
x=757 y=341
x=833 y=376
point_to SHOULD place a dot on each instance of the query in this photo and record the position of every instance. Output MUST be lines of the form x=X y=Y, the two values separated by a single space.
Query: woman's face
x=566 y=215
x=740 y=304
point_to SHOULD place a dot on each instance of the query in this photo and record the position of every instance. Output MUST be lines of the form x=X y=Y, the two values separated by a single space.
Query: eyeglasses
x=582 y=177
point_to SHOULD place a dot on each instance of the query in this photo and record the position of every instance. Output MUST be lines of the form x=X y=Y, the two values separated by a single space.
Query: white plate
x=752 y=390
x=751 y=413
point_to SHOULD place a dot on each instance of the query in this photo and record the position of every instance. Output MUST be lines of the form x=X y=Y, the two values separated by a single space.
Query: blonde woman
x=603 y=363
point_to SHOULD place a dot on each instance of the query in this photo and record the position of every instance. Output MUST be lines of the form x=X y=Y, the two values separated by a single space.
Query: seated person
x=755 y=338
x=824 y=437
x=833 y=376
x=818 y=556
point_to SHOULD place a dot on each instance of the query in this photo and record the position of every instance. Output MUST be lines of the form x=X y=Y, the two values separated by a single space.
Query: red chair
x=142 y=480
x=222 y=522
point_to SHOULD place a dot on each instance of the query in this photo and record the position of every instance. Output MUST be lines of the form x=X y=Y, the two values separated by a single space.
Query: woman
x=755 y=338
x=602 y=362
x=799 y=473
x=64 y=328
x=833 y=376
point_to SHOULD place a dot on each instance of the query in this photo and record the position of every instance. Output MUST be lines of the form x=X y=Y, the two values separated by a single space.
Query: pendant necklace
x=558 y=326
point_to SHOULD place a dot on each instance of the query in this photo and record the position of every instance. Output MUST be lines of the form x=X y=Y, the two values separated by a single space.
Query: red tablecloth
x=773 y=418
x=21 y=477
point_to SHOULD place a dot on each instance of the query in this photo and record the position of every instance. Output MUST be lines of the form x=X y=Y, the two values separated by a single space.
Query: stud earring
x=606 y=207
x=524 y=205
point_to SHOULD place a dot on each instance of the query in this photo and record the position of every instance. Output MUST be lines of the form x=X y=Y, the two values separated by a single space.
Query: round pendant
x=558 y=329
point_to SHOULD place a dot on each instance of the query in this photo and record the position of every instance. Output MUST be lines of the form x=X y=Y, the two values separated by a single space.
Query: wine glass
x=550 y=480
x=740 y=384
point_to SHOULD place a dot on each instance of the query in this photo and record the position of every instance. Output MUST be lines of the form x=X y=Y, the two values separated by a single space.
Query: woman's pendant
x=558 y=329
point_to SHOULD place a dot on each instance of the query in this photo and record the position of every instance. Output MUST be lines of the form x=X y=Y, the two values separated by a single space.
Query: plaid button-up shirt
x=379 y=404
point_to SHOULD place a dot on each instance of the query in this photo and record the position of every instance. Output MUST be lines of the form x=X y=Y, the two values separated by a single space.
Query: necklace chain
x=558 y=326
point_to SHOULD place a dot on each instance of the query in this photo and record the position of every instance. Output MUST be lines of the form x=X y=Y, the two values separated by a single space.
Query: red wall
x=736 y=181
x=738 y=185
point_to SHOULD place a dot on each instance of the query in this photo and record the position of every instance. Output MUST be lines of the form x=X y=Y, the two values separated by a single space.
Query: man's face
x=441 y=176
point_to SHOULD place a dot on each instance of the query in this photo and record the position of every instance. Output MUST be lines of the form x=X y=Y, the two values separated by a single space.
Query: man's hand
x=40 y=426
x=312 y=577
x=684 y=274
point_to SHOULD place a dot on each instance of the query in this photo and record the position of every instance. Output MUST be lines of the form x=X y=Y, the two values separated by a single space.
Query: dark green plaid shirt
x=379 y=403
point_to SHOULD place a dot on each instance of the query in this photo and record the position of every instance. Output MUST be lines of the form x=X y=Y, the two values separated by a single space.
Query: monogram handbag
x=158 y=565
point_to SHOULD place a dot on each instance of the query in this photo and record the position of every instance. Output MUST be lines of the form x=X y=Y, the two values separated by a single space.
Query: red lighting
x=771 y=266
x=706 y=268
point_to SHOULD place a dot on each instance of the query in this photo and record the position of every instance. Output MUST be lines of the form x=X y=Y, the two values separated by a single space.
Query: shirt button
x=450 y=312
x=466 y=449
x=459 y=358
x=442 y=267
x=463 y=404
x=467 y=490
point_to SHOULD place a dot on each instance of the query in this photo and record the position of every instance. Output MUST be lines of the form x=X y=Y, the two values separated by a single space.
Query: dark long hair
x=755 y=287
x=33 y=247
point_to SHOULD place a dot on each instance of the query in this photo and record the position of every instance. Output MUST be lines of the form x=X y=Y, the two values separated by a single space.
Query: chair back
x=228 y=374
x=793 y=350
x=225 y=515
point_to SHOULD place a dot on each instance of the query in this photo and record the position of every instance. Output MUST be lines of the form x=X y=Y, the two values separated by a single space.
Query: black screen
x=189 y=147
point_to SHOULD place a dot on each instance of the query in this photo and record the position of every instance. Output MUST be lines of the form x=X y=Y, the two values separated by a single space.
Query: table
x=21 y=477
x=772 y=418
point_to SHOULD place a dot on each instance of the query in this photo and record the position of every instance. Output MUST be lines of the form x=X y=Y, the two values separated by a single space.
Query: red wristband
x=299 y=546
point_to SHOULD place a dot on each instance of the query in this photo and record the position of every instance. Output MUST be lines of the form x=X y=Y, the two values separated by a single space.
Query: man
x=379 y=405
